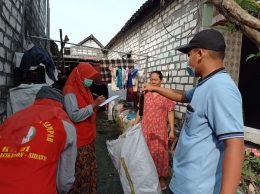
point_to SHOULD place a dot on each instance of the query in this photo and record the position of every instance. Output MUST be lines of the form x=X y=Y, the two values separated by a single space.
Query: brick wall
x=81 y=51
x=149 y=37
x=17 y=18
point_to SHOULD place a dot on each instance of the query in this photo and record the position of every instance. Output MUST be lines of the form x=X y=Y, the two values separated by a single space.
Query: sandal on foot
x=164 y=187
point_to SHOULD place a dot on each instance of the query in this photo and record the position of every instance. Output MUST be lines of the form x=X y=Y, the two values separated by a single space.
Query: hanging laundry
x=137 y=66
x=34 y=57
x=105 y=73
x=129 y=83
x=113 y=80
x=132 y=96
x=126 y=76
x=135 y=84
x=119 y=81
x=123 y=77
x=98 y=68
x=133 y=74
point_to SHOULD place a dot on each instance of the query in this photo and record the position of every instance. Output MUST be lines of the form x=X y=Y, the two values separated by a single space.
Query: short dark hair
x=159 y=73
x=213 y=54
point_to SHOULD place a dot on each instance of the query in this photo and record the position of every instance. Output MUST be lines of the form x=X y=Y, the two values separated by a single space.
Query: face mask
x=87 y=82
x=190 y=70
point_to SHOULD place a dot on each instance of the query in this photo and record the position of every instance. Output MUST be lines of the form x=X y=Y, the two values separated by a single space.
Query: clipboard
x=109 y=100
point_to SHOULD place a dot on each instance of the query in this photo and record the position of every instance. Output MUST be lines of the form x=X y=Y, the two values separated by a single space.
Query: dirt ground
x=108 y=178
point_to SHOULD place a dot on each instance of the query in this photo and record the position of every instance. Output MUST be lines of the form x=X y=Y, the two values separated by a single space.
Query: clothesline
x=104 y=64
x=126 y=53
x=140 y=60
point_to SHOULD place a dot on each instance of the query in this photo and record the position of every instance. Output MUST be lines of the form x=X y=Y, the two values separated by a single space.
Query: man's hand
x=99 y=100
x=147 y=87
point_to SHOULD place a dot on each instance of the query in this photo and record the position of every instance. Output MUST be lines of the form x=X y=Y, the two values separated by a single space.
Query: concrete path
x=108 y=179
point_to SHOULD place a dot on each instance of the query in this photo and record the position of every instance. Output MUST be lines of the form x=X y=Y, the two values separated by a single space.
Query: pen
x=94 y=94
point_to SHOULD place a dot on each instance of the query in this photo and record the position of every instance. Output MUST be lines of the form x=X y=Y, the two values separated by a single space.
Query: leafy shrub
x=251 y=170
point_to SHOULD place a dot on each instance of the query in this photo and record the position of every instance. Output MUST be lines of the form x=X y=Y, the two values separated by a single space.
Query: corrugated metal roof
x=140 y=13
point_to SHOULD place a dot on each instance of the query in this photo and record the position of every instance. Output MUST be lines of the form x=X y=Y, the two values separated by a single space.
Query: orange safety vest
x=86 y=130
x=32 y=169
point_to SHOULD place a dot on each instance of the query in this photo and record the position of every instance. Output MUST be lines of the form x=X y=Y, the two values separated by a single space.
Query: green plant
x=250 y=6
x=231 y=27
x=253 y=56
x=251 y=170
x=253 y=8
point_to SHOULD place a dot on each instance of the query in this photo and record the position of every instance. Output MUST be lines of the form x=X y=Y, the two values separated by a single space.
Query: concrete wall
x=18 y=18
x=182 y=18
x=149 y=37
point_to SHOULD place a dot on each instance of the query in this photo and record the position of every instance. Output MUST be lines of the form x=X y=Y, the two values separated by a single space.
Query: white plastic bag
x=132 y=159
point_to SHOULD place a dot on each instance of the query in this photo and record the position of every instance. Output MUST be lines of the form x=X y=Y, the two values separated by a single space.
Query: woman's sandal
x=163 y=185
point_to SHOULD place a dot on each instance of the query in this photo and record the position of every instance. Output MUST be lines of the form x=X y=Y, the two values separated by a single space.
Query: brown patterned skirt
x=85 y=175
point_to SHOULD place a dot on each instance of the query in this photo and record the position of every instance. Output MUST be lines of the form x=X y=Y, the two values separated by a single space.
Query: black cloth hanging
x=34 y=57
x=141 y=105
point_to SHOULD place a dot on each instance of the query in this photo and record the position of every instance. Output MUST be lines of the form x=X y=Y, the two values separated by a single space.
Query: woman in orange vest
x=81 y=109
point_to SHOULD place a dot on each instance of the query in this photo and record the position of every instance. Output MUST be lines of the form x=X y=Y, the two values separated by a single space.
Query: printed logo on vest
x=30 y=135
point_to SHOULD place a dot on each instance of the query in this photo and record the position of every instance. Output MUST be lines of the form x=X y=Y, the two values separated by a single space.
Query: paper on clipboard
x=109 y=100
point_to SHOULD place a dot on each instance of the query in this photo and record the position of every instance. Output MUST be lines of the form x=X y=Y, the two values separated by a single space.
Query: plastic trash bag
x=133 y=162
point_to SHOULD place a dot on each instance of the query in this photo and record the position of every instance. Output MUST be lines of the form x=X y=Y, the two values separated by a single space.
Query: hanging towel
x=113 y=80
x=126 y=75
x=123 y=77
x=119 y=81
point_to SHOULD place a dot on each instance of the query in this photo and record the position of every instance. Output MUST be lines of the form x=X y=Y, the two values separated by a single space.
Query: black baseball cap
x=209 y=39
